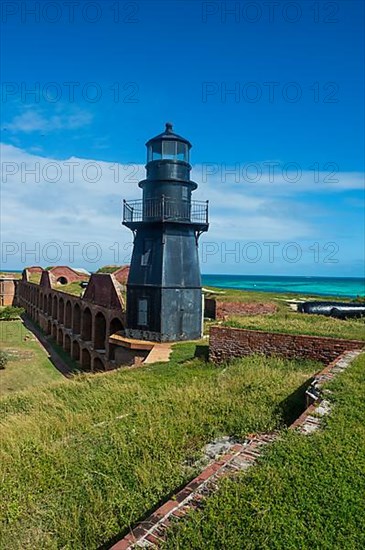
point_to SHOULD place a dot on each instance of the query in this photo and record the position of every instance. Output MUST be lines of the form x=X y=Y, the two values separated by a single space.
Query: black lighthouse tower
x=164 y=297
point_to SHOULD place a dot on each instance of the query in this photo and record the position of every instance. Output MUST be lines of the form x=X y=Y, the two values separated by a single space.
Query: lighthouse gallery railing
x=164 y=209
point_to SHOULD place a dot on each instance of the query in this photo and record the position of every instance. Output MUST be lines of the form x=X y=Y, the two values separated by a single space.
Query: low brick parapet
x=227 y=342
x=219 y=309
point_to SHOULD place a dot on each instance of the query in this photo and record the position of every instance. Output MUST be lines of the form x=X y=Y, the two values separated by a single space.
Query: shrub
x=11 y=312
x=3 y=359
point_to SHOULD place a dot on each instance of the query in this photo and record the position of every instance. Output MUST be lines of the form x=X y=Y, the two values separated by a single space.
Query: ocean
x=341 y=287
x=345 y=287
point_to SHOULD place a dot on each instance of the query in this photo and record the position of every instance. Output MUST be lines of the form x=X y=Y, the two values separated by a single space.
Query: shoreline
x=346 y=288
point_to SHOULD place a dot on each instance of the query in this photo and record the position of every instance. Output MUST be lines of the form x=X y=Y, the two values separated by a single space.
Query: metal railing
x=164 y=209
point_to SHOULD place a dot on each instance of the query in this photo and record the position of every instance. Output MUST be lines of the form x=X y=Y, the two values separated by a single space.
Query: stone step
x=160 y=353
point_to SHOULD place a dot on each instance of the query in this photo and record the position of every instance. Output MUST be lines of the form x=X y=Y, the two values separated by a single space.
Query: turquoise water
x=346 y=287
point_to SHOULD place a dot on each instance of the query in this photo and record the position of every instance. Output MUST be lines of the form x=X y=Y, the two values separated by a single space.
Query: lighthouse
x=164 y=295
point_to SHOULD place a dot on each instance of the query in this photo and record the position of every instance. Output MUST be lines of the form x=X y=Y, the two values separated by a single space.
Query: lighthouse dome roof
x=168 y=134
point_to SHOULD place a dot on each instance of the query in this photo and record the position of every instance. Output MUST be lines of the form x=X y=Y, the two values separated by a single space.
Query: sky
x=271 y=95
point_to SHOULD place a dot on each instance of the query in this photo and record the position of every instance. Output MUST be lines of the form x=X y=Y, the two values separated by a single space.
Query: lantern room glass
x=169 y=150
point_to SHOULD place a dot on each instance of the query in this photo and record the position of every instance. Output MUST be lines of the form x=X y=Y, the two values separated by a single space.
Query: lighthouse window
x=169 y=149
x=147 y=252
x=182 y=152
x=156 y=151
x=142 y=311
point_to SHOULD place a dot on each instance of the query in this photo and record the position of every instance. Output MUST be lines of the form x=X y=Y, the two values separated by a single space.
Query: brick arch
x=49 y=309
x=75 y=351
x=54 y=332
x=68 y=314
x=115 y=325
x=86 y=359
x=76 y=323
x=99 y=331
x=55 y=307
x=61 y=310
x=45 y=303
x=67 y=345
x=98 y=365
x=49 y=327
x=60 y=337
x=87 y=324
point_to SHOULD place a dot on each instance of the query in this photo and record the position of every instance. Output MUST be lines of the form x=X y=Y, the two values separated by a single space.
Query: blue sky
x=271 y=97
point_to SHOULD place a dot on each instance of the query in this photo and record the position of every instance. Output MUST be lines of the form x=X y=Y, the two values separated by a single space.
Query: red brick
x=125 y=543
x=226 y=342
x=153 y=539
x=166 y=508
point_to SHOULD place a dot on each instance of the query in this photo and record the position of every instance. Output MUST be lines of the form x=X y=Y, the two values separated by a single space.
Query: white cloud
x=35 y=121
x=276 y=180
x=78 y=200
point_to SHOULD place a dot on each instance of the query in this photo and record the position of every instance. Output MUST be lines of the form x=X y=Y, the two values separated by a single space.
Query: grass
x=232 y=295
x=301 y=323
x=35 y=278
x=83 y=460
x=109 y=268
x=306 y=492
x=12 y=275
x=72 y=288
x=28 y=365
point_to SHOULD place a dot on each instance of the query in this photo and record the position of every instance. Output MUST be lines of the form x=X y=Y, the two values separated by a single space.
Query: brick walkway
x=151 y=532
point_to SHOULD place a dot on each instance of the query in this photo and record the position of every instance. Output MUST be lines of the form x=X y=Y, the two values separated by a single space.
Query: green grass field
x=233 y=295
x=307 y=492
x=82 y=460
x=301 y=323
x=28 y=363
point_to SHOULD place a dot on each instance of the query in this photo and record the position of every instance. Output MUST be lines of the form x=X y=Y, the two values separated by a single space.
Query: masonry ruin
x=86 y=327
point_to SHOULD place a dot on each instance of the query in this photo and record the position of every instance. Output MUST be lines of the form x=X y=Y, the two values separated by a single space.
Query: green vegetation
x=11 y=312
x=232 y=295
x=35 y=278
x=301 y=323
x=108 y=268
x=28 y=365
x=306 y=492
x=84 y=459
x=11 y=275
x=72 y=288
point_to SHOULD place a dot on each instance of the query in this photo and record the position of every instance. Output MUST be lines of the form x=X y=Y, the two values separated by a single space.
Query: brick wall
x=217 y=309
x=7 y=292
x=66 y=274
x=121 y=274
x=226 y=342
